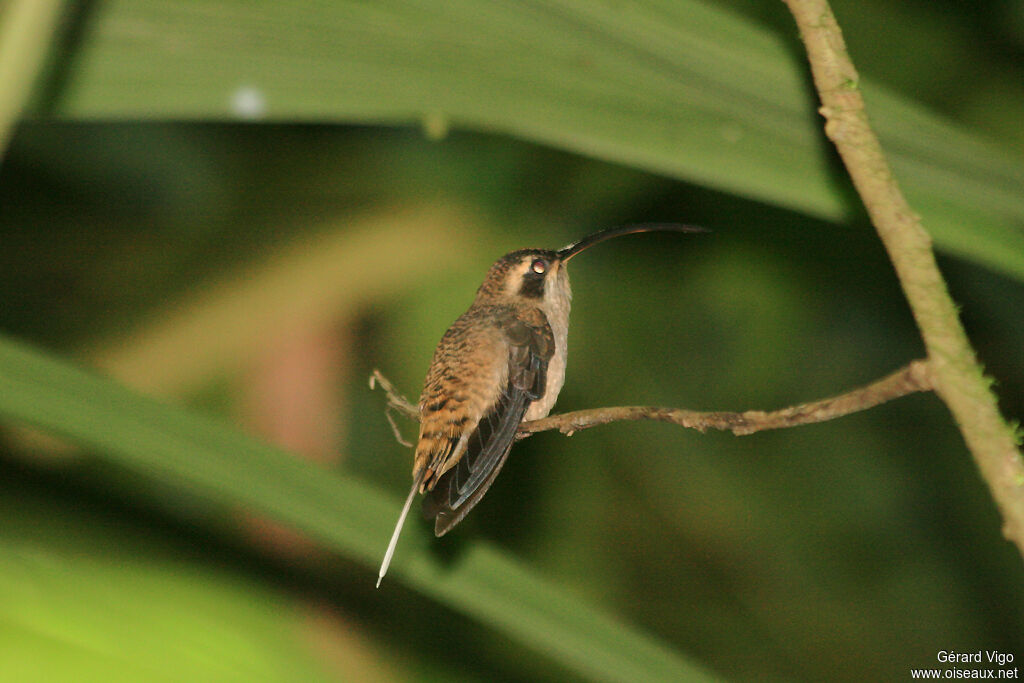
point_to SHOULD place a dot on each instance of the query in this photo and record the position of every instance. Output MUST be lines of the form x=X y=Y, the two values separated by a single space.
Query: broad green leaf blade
x=76 y=607
x=350 y=518
x=26 y=27
x=673 y=86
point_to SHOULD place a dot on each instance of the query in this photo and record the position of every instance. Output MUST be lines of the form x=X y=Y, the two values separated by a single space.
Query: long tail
x=398 y=527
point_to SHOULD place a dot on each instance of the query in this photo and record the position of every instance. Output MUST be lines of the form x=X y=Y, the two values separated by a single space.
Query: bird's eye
x=539 y=266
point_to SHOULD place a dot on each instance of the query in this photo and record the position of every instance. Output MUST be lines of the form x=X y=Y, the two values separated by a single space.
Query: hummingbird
x=502 y=362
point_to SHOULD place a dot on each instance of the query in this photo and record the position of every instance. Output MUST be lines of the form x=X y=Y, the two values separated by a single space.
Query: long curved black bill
x=568 y=251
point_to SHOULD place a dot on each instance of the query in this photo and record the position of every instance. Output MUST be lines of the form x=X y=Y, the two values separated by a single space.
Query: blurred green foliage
x=852 y=550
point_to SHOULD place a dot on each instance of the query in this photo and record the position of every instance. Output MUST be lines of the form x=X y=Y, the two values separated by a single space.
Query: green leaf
x=672 y=86
x=178 y=447
x=26 y=28
x=74 y=607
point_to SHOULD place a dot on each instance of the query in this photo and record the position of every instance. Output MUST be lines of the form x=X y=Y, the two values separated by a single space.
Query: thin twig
x=395 y=399
x=396 y=404
x=910 y=379
x=957 y=376
x=389 y=413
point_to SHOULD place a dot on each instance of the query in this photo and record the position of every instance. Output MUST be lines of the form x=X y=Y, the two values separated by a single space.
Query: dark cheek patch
x=532 y=287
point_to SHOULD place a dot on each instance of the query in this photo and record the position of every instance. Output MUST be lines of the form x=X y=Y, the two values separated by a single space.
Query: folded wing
x=462 y=487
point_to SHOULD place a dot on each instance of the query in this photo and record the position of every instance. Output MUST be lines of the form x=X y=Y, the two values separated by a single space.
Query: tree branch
x=910 y=379
x=957 y=376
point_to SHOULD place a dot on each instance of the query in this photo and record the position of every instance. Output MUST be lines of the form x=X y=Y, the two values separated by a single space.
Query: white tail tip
x=398 y=530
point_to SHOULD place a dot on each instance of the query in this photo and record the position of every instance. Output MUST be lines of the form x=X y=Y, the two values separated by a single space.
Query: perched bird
x=502 y=362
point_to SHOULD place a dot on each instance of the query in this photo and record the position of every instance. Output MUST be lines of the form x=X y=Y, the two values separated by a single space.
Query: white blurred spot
x=435 y=125
x=731 y=133
x=248 y=103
